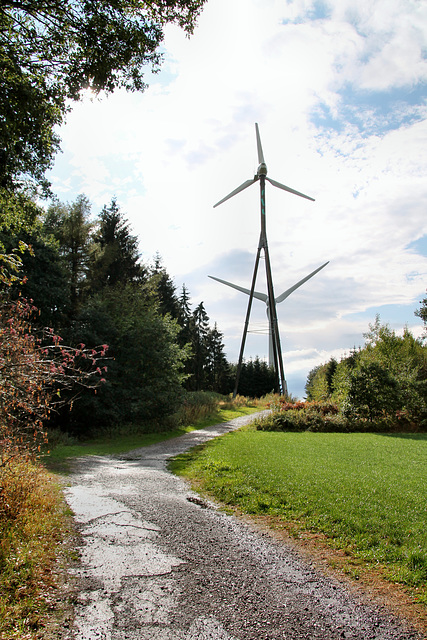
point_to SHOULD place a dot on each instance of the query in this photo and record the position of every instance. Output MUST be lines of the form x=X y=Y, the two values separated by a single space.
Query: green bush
x=331 y=424
x=383 y=384
x=286 y=421
x=306 y=416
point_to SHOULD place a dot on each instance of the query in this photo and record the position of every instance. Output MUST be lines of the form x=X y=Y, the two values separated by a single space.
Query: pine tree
x=70 y=225
x=199 y=344
x=114 y=252
x=165 y=289
x=217 y=371
x=184 y=306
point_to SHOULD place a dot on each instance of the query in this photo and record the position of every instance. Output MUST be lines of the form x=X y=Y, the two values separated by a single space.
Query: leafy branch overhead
x=51 y=50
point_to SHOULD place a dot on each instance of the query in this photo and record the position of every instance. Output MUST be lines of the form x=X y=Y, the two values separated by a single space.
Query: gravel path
x=159 y=563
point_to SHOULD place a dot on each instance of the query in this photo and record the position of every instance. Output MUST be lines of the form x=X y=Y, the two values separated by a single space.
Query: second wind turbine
x=261 y=176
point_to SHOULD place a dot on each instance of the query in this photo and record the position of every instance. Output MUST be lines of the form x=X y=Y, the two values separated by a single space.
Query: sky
x=339 y=91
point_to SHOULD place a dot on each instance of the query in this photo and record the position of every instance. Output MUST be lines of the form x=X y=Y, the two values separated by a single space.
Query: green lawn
x=366 y=492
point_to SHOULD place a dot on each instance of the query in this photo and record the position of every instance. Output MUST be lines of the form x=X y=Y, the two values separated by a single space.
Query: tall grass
x=201 y=405
x=197 y=406
x=32 y=525
x=366 y=492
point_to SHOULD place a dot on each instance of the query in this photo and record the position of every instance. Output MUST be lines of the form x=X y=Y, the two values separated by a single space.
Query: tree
x=185 y=318
x=257 y=378
x=387 y=377
x=316 y=386
x=35 y=368
x=52 y=49
x=199 y=346
x=46 y=281
x=330 y=370
x=70 y=226
x=114 y=256
x=165 y=289
x=45 y=276
x=422 y=312
x=217 y=369
x=18 y=211
x=145 y=373
x=373 y=393
x=405 y=358
x=29 y=112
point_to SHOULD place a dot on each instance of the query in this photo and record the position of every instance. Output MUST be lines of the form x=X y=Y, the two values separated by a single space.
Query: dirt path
x=158 y=563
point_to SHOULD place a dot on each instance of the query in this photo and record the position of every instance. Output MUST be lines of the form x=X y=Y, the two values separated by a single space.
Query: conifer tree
x=165 y=289
x=71 y=226
x=217 y=369
x=199 y=345
x=114 y=252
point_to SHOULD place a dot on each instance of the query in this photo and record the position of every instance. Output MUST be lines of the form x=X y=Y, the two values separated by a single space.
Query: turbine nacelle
x=262 y=170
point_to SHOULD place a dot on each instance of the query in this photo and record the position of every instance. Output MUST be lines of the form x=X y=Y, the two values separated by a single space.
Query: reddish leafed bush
x=34 y=369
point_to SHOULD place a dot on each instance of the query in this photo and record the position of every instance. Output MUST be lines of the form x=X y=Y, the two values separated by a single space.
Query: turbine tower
x=261 y=176
x=264 y=298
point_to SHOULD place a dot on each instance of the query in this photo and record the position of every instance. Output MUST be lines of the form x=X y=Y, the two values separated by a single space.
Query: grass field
x=366 y=492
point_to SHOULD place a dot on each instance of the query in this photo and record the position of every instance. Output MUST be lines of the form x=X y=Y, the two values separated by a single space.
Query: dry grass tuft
x=31 y=528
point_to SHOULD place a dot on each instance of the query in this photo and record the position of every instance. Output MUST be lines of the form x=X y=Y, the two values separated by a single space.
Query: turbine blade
x=258 y=144
x=259 y=296
x=288 y=292
x=285 y=188
x=243 y=186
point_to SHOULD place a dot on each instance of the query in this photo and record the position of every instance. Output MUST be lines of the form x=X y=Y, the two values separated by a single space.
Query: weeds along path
x=159 y=563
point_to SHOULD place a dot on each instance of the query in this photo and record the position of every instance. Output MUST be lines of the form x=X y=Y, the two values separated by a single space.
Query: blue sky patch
x=419 y=246
x=373 y=112
x=319 y=11
x=395 y=315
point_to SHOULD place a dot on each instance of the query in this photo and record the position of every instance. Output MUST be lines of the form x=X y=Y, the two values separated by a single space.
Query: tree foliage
x=145 y=374
x=52 y=49
x=114 y=257
x=422 y=312
x=71 y=226
x=85 y=274
x=257 y=378
x=35 y=369
x=165 y=289
x=372 y=393
x=387 y=378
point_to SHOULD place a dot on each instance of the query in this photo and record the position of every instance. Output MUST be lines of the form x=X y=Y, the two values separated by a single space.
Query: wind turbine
x=264 y=298
x=261 y=176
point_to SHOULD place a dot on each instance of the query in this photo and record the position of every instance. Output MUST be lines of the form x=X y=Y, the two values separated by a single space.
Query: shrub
x=35 y=369
x=373 y=392
x=331 y=424
x=196 y=406
x=286 y=421
x=303 y=416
